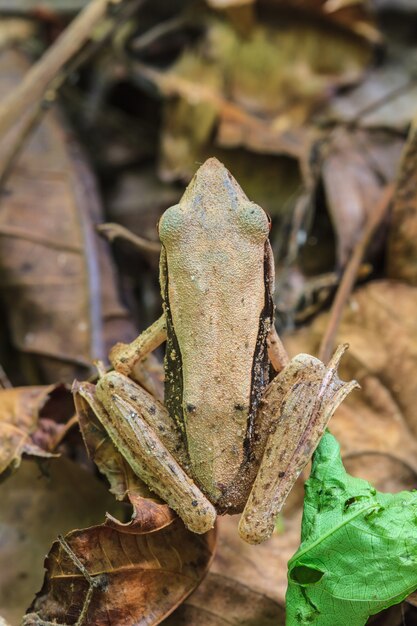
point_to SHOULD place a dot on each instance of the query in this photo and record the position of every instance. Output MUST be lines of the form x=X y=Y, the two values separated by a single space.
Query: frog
x=240 y=420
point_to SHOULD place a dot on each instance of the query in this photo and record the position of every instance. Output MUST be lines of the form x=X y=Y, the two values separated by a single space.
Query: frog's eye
x=170 y=223
x=254 y=222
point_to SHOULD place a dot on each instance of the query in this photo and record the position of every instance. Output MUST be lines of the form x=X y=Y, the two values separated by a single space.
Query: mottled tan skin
x=216 y=270
x=237 y=440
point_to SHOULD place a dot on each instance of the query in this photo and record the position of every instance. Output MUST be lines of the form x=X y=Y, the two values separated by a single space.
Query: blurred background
x=308 y=103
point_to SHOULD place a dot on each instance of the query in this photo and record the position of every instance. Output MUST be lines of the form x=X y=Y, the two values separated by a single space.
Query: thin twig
x=144 y=40
x=40 y=75
x=74 y=558
x=94 y=582
x=351 y=271
x=113 y=231
x=49 y=93
x=381 y=101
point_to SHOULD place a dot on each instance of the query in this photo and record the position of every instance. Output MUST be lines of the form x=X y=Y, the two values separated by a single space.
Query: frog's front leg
x=124 y=356
x=141 y=430
x=298 y=405
x=277 y=353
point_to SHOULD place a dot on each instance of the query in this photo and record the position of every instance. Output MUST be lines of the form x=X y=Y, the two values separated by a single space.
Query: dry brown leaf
x=402 y=244
x=354 y=15
x=149 y=512
x=60 y=312
x=222 y=601
x=140 y=578
x=380 y=325
x=35 y=507
x=256 y=91
x=263 y=568
x=32 y=421
x=386 y=99
x=356 y=167
x=386 y=473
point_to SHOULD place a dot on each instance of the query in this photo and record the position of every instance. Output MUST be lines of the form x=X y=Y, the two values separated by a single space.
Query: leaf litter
x=338 y=131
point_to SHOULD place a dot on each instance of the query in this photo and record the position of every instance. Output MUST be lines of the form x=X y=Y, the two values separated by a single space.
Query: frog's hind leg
x=299 y=403
x=141 y=432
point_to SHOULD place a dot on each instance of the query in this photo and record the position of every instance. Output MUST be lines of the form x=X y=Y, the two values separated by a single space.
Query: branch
x=40 y=75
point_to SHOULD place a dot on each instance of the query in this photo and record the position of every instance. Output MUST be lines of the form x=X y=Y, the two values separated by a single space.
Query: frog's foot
x=135 y=438
x=303 y=397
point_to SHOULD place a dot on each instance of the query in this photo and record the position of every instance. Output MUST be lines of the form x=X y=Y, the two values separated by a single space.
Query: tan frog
x=230 y=437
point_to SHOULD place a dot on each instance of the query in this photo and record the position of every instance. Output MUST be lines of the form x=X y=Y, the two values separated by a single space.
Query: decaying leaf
x=36 y=506
x=32 y=421
x=60 y=312
x=255 y=92
x=354 y=15
x=222 y=601
x=387 y=99
x=355 y=169
x=149 y=512
x=380 y=325
x=358 y=553
x=402 y=248
x=139 y=579
x=262 y=568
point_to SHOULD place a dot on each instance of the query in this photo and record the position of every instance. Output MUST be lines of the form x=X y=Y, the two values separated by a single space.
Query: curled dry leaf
x=32 y=421
x=136 y=579
x=61 y=315
x=149 y=513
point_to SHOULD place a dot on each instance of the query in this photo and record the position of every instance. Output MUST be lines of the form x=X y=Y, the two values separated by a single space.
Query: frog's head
x=213 y=186
x=214 y=201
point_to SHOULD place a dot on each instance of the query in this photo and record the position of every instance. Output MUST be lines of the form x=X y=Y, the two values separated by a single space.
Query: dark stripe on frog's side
x=234 y=499
x=260 y=366
x=172 y=361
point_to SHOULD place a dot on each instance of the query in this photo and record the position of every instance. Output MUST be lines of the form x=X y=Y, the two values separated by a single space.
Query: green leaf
x=358 y=554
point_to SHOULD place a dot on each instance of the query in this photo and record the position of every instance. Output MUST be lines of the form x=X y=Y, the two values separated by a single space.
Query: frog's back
x=219 y=309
